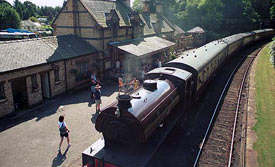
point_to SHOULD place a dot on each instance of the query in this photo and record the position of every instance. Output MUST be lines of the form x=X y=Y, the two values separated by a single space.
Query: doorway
x=45 y=85
x=19 y=93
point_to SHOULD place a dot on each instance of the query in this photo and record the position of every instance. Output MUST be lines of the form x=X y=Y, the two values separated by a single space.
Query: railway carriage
x=202 y=63
x=234 y=43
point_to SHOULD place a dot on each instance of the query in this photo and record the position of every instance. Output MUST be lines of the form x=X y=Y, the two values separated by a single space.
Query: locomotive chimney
x=124 y=102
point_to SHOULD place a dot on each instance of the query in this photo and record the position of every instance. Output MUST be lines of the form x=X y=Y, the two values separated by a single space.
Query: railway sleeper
x=221 y=158
x=221 y=136
x=226 y=114
x=218 y=143
x=225 y=121
x=209 y=163
x=222 y=129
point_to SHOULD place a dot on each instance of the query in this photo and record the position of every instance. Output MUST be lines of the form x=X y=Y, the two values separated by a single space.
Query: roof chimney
x=146 y=6
x=127 y=2
x=159 y=7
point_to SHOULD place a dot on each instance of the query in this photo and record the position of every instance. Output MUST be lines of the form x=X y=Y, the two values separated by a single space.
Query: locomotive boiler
x=133 y=118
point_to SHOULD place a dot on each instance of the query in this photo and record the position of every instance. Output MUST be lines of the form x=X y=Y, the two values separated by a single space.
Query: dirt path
x=251 y=154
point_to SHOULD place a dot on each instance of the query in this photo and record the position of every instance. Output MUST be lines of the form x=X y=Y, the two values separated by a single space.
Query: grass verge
x=265 y=104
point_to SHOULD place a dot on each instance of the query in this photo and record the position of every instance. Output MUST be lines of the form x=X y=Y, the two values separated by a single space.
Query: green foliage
x=137 y=5
x=9 y=18
x=272 y=10
x=219 y=17
x=265 y=97
x=47 y=28
x=28 y=9
x=33 y=19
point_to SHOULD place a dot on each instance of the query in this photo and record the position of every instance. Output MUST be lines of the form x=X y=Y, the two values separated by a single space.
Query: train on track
x=133 y=118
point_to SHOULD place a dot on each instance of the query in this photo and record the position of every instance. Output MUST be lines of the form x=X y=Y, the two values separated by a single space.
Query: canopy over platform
x=143 y=47
x=196 y=30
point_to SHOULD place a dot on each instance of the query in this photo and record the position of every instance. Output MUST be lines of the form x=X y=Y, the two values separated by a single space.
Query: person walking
x=97 y=97
x=64 y=132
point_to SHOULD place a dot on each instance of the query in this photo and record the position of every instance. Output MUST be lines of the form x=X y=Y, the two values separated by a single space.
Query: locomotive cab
x=181 y=79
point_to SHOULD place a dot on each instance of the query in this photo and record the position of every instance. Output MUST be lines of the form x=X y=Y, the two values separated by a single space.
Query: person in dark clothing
x=64 y=132
x=93 y=85
x=97 y=97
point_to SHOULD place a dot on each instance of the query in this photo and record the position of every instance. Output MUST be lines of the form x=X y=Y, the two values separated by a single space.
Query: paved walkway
x=31 y=138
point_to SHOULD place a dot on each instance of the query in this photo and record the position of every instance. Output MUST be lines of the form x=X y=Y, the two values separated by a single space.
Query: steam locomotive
x=133 y=118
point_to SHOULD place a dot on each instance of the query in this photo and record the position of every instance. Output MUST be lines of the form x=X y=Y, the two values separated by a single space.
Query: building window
x=34 y=82
x=84 y=70
x=56 y=75
x=2 y=91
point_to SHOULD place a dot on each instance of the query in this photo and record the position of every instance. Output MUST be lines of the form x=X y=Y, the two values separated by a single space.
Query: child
x=64 y=131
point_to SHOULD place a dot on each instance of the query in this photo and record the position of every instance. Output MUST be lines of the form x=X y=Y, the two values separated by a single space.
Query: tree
x=137 y=5
x=9 y=18
x=272 y=10
x=19 y=7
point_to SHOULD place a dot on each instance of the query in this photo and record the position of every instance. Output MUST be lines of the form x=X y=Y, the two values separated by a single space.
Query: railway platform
x=31 y=137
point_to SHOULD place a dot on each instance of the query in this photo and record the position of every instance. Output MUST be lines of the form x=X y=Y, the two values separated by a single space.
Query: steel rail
x=216 y=108
x=237 y=109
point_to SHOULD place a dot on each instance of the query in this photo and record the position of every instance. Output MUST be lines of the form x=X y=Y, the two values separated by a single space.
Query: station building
x=118 y=32
x=33 y=70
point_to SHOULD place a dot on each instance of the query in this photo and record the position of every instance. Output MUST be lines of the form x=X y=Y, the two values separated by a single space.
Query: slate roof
x=144 y=46
x=178 y=30
x=99 y=8
x=31 y=52
x=150 y=20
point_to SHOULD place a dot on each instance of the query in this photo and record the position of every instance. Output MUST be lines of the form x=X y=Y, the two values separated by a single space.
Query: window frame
x=34 y=82
x=56 y=75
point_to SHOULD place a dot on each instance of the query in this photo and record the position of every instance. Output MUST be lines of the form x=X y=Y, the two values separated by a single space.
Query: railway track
x=217 y=146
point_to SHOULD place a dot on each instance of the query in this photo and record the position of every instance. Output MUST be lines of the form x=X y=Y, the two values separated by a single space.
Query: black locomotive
x=133 y=118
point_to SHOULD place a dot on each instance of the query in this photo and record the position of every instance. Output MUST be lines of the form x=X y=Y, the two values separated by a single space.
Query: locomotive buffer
x=98 y=155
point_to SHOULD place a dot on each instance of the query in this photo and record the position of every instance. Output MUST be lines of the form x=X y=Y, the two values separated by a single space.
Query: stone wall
x=34 y=96
x=6 y=105
x=73 y=70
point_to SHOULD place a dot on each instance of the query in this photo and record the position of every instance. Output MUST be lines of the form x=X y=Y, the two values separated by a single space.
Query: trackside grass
x=265 y=104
